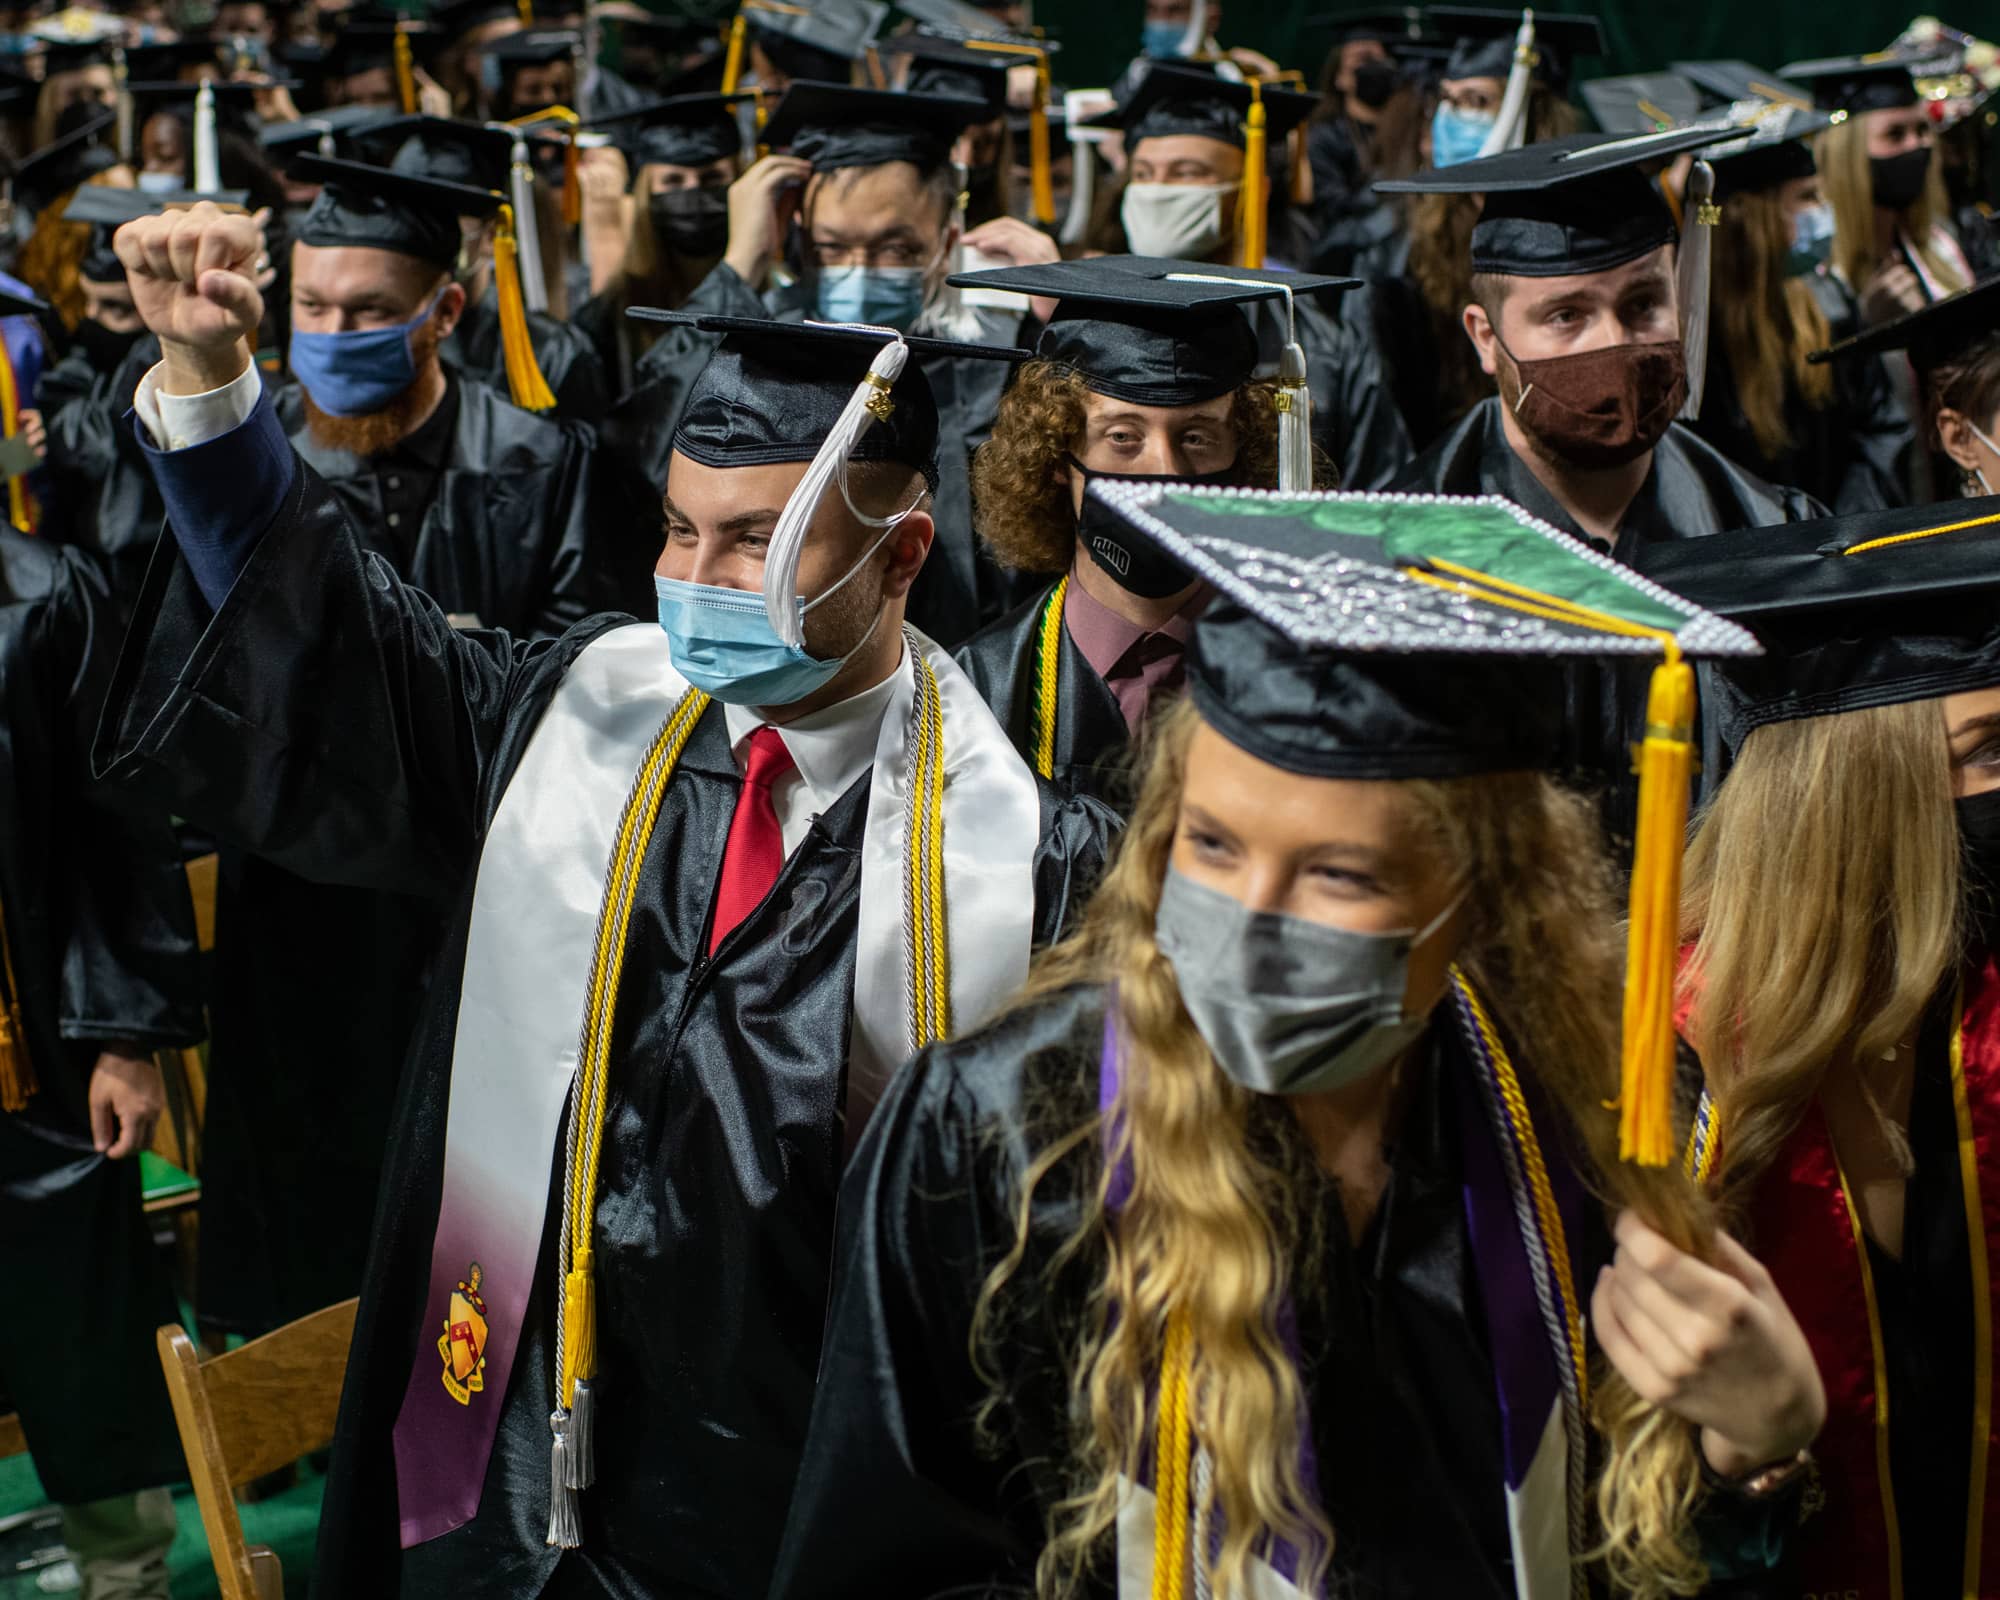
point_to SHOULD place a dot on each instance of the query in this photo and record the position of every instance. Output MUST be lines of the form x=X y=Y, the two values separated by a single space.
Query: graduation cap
x=1853 y=612
x=1389 y=25
x=374 y=47
x=1483 y=42
x=153 y=63
x=1175 y=98
x=536 y=49
x=62 y=164
x=73 y=55
x=107 y=210
x=1932 y=335
x=689 y=130
x=1854 y=84
x=955 y=19
x=332 y=132
x=834 y=126
x=966 y=71
x=1646 y=102
x=1726 y=83
x=1777 y=151
x=379 y=208
x=235 y=103
x=456 y=18
x=820 y=41
x=1572 y=205
x=1418 y=636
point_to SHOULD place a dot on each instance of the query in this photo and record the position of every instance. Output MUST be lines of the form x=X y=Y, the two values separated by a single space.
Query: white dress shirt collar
x=834 y=745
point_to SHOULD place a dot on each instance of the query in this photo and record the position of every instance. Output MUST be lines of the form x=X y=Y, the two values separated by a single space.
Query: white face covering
x=1182 y=221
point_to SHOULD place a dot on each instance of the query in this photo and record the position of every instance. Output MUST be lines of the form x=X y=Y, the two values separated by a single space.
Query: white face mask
x=1182 y=221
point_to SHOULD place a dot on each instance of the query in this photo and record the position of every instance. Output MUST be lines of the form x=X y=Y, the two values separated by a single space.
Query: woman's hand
x=1715 y=1345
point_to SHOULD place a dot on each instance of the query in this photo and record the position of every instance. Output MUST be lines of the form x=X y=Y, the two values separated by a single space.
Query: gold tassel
x=406 y=74
x=527 y=10
x=1665 y=764
x=579 y=1314
x=1041 y=185
x=17 y=1071
x=572 y=189
x=732 y=61
x=1250 y=198
x=525 y=383
x=20 y=504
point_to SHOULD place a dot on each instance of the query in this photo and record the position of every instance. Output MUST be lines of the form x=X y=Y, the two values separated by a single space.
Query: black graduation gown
x=319 y=983
x=1355 y=419
x=568 y=359
x=899 y=1492
x=961 y=586
x=327 y=716
x=1091 y=738
x=104 y=496
x=101 y=934
x=1849 y=455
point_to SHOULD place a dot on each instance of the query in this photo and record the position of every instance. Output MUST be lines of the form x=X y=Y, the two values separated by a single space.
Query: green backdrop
x=1099 y=38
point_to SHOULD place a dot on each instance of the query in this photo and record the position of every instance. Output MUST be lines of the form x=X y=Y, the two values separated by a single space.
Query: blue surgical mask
x=160 y=183
x=355 y=373
x=723 y=643
x=1161 y=39
x=1457 y=136
x=883 y=297
x=1812 y=241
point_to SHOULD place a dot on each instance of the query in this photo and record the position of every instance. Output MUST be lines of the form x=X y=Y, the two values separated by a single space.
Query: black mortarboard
x=834 y=126
x=1570 y=205
x=107 y=210
x=446 y=150
x=1390 y=25
x=673 y=32
x=1852 y=612
x=535 y=49
x=1144 y=330
x=688 y=130
x=1724 y=83
x=1646 y=102
x=773 y=391
x=458 y=17
x=371 y=47
x=332 y=132
x=821 y=42
x=955 y=19
x=1174 y=98
x=1932 y=335
x=235 y=103
x=1483 y=42
x=73 y=55
x=153 y=63
x=1778 y=151
x=967 y=72
x=1857 y=83
x=62 y=164
x=379 y=209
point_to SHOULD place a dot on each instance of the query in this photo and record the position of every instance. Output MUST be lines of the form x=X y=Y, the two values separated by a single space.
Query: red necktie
x=756 y=849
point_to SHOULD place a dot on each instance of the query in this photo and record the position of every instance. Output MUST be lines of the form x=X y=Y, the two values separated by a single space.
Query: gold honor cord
x=926 y=945
x=1920 y=533
x=572 y=1422
x=1048 y=658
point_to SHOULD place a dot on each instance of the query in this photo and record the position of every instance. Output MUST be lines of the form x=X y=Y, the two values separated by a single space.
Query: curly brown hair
x=1020 y=476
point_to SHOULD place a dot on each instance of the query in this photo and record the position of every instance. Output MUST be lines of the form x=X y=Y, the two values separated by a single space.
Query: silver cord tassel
x=564 y=1533
x=582 y=1436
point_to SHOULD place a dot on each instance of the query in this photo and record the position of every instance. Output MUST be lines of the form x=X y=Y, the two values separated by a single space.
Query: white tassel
x=207 y=173
x=1197 y=29
x=1295 y=423
x=563 y=1531
x=1699 y=215
x=582 y=1436
x=781 y=560
x=1510 y=127
x=1082 y=192
x=527 y=232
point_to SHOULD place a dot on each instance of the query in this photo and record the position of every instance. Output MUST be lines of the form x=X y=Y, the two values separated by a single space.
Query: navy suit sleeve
x=223 y=495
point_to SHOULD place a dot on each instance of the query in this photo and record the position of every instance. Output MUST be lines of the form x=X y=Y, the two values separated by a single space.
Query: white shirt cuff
x=177 y=421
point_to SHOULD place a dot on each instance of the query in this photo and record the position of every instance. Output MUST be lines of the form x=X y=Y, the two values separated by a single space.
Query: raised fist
x=193 y=276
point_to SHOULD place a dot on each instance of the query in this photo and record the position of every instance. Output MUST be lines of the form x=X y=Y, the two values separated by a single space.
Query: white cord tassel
x=207 y=173
x=1204 y=1506
x=564 y=1533
x=1295 y=423
x=1510 y=127
x=1082 y=192
x=1699 y=215
x=781 y=560
x=1197 y=29
x=582 y=1437
x=527 y=231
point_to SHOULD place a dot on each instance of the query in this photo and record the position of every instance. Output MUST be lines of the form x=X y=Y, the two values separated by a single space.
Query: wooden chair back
x=247 y=1413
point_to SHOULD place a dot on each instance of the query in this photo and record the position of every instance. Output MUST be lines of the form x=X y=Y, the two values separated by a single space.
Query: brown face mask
x=1602 y=408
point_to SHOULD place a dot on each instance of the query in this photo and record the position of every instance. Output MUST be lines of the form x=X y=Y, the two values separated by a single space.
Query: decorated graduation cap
x=1854 y=84
x=63 y=163
x=1776 y=151
x=823 y=393
x=1853 y=612
x=379 y=208
x=1415 y=636
x=1933 y=334
x=1645 y=102
x=833 y=126
x=820 y=41
x=107 y=210
x=688 y=130
x=1170 y=333
x=1730 y=82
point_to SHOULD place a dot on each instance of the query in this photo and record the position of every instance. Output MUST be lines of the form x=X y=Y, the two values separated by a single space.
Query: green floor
x=286 y=1522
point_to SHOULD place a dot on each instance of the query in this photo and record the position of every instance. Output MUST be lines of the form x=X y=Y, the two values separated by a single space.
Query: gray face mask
x=1288 y=1006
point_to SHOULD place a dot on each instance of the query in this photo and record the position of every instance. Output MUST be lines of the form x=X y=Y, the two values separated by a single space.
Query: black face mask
x=1979 y=834
x=691 y=222
x=103 y=348
x=1375 y=83
x=1134 y=562
x=1898 y=181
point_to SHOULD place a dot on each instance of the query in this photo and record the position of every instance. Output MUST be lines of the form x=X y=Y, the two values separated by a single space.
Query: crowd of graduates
x=1290 y=891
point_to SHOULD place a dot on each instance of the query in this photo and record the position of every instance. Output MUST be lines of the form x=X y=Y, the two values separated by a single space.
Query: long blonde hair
x=1210 y=1223
x=1768 y=322
x=1844 y=174
x=1820 y=944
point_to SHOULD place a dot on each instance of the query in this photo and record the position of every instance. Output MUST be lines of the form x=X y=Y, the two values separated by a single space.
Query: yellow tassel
x=1041 y=185
x=732 y=62
x=529 y=389
x=572 y=189
x=406 y=74
x=579 y=1325
x=527 y=10
x=1250 y=198
x=1665 y=764
x=1300 y=168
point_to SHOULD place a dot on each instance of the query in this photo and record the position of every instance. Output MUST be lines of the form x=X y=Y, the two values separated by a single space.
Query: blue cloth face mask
x=160 y=183
x=882 y=297
x=1812 y=241
x=359 y=371
x=1161 y=40
x=1457 y=136
x=723 y=643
